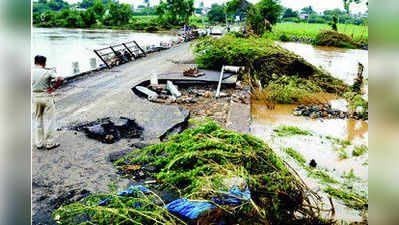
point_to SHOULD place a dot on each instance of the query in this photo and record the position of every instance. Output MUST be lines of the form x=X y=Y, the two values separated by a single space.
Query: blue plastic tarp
x=234 y=197
x=131 y=191
x=188 y=208
x=193 y=209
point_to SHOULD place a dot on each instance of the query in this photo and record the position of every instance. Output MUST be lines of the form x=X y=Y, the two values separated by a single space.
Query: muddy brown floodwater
x=341 y=63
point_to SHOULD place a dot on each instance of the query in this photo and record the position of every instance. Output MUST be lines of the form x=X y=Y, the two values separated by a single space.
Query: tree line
x=219 y=13
x=173 y=13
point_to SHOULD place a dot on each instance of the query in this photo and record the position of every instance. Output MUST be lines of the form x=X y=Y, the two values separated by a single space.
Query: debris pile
x=335 y=39
x=264 y=59
x=110 y=130
x=193 y=72
x=220 y=176
x=320 y=111
x=326 y=111
x=198 y=99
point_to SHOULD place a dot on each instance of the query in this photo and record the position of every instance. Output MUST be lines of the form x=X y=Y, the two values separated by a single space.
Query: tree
x=307 y=11
x=347 y=4
x=57 y=5
x=175 y=12
x=237 y=7
x=89 y=17
x=269 y=10
x=86 y=4
x=99 y=9
x=125 y=13
x=217 y=13
x=263 y=14
x=74 y=20
x=288 y=13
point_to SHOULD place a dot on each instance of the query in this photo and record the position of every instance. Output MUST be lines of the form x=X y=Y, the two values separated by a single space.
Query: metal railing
x=125 y=50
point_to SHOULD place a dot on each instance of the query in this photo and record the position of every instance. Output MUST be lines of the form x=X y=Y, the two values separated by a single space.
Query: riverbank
x=305 y=32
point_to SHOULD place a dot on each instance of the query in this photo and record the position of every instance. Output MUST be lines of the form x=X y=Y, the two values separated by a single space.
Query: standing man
x=43 y=104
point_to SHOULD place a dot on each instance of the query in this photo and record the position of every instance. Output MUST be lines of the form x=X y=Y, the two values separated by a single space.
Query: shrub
x=284 y=37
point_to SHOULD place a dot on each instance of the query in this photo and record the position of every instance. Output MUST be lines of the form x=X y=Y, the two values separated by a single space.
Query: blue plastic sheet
x=131 y=191
x=234 y=197
x=189 y=209
x=193 y=209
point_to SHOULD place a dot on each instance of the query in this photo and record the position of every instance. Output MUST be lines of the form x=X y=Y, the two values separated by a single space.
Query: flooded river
x=323 y=145
x=63 y=46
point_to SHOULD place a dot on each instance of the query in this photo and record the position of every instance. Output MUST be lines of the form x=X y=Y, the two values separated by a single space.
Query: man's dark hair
x=40 y=60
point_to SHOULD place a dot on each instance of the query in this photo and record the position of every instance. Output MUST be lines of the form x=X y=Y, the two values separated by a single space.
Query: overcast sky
x=318 y=5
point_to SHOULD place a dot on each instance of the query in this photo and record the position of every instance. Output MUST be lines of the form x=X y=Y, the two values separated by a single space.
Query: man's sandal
x=39 y=147
x=52 y=146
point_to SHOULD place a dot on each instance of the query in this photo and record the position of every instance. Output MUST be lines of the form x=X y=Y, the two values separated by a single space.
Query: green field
x=308 y=30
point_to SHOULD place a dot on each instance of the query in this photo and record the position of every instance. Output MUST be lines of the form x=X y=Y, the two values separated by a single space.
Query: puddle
x=323 y=146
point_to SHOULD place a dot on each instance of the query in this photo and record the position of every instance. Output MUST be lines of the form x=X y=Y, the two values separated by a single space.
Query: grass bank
x=359 y=33
x=285 y=76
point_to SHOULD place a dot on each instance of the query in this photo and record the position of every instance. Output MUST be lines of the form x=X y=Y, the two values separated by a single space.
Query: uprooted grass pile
x=290 y=89
x=265 y=61
x=202 y=162
x=334 y=38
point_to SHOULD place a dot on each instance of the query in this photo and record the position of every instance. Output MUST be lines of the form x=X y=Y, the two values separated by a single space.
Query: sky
x=317 y=5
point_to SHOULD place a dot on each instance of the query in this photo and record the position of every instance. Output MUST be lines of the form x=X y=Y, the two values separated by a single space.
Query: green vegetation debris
x=198 y=161
x=333 y=38
x=119 y=210
x=267 y=62
x=295 y=155
x=287 y=90
x=359 y=150
x=350 y=199
x=357 y=104
x=284 y=131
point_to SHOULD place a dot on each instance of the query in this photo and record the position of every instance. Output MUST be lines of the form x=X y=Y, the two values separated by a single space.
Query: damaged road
x=80 y=164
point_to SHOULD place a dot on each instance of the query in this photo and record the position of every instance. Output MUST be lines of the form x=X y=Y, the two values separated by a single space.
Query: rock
x=208 y=94
x=306 y=112
x=114 y=156
x=297 y=113
x=314 y=115
x=313 y=163
x=171 y=99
